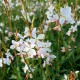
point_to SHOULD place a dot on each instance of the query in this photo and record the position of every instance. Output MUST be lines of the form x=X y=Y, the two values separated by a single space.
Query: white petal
x=25 y=68
x=76 y=72
x=70 y=20
x=52 y=56
x=56 y=17
x=6 y=61
x=20 y=41
x=48 y=60
x=65 y=11
x=26 y=49
x=40 y=36
x=32 y=52
x=32 y=45
x=65 y=77
x=45 y=28
x=48 y=44
x=20 y=36
x=68 y=10
x=47 y=49
x=22 y=47
x=8 y=55
x=34 y=33
x=18 y=49
x=12 y=47
x=40 y=44
x=26 y=30
x=0 y=62
x=42 y=51
x=68 y=33
x=62 y=20
x=26 y=44
x=32 y=41
x=14 y=42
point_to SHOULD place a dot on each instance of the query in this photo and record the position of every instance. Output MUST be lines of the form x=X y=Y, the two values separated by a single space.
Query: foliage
x=39 y=39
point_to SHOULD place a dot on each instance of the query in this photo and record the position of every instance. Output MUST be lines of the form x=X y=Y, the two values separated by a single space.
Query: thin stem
x=9 y=19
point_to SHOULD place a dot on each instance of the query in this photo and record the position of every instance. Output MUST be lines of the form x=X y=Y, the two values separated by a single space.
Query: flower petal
x=34 y=33
x=40 y=36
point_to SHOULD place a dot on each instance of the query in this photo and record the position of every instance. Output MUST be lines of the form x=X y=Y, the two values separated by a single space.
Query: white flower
x=25 y=68
x=34 y=35
x=78 y=22
x=0 y=62
x=20 y=36
x=21 y=45
x=56 y=17
x=65 y=11
x=26 y=32
x=41 y=52
x=72 y=29
x=51 y=15
x=45 y=28
x=66 y=15
x=29 y=49
x=1 y=24
x=76 y=72
x=31 y=53
x=8 y=58
x=62 y=20
x=8 y=55
x=49 y=58
x=40 y=44
x=65 y=77
x=63 y=49
x=17 y=45
x=6 y=61
x=44 y=48
x=51 y=8
x=68 y=33
x=50 y=11
x=14 y=45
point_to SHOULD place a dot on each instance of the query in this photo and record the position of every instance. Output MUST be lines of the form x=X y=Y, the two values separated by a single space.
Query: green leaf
x=69 y=55
x=13 y=77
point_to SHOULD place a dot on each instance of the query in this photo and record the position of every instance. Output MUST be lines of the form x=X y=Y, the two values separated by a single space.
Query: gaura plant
x=39 y=40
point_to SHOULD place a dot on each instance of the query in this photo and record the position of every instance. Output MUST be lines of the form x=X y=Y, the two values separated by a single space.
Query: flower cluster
x=65 y=16
x=7 y=59
x=32 y=45
x=50 y=28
